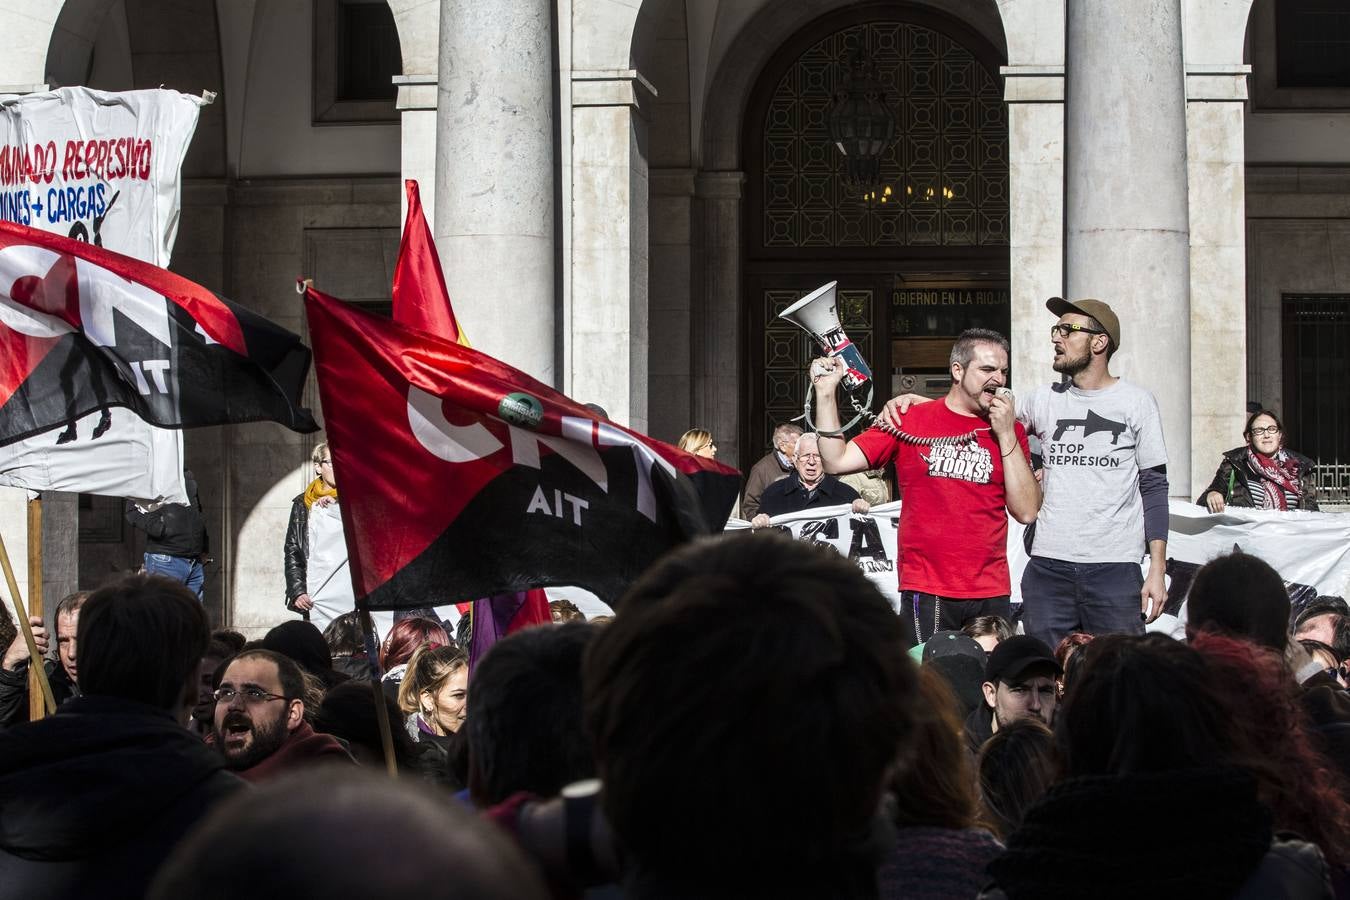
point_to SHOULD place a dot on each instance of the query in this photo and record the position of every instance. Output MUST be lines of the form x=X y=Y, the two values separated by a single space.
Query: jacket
x=94 y=798
x=789 y=496
x=174 y=529
x=762 y=474
x=296 y=551
x=1231 y=479
x=14 y=691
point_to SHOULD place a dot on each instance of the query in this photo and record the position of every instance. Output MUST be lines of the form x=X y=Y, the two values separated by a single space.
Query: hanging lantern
x=862 y=126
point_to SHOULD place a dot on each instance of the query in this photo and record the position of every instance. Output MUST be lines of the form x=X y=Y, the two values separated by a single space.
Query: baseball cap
x=1099 y=310
x=1010 y=659
x=953 y=643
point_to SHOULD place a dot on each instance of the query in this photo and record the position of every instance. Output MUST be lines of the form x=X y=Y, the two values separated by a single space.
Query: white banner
x=105 y=168
x=98 y=167
x=1311 y=551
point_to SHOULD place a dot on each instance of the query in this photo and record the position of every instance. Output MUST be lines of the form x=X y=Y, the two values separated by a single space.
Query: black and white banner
x=1310 y=550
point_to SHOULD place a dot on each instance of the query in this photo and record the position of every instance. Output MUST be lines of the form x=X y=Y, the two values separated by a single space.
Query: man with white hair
x=808 y=487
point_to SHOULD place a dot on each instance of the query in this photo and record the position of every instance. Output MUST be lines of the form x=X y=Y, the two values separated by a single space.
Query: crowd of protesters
x=748 y=724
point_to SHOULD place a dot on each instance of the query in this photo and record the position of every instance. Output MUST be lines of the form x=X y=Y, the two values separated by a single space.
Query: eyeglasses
x=252 y=695
x=808 y=456
x=1065 y=329
x=1269 y=429
x=325 y=462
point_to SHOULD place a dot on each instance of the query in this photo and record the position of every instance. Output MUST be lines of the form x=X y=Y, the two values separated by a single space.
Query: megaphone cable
x=862 y=412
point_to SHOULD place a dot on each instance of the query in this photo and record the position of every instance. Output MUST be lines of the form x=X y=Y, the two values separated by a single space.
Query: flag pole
x=377 y=685
x=39 y=688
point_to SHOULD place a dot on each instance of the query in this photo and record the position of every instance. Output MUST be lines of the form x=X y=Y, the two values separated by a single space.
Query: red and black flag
x=463 y=477
x=82 y=329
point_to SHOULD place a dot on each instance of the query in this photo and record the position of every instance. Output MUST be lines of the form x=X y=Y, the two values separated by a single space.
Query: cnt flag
x=421 y=299
x=462 y=477
x=85 y=329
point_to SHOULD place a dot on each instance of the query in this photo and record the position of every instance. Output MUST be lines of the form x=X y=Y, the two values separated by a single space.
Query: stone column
x=1216 y=166
x=607 y=332
x=1127 y=233
x=670 y=289
x=495 y=177
x=417 y=119
x=715 y=317
x=1035 y=97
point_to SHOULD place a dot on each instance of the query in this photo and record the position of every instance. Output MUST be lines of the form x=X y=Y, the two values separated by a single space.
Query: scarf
x=1279 y=478
x=316 y=490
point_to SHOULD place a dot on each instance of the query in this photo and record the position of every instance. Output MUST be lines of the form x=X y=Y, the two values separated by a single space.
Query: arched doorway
x=917 y=264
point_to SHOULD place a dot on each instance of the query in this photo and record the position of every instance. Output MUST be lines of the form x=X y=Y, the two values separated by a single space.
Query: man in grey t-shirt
x=1104 y=482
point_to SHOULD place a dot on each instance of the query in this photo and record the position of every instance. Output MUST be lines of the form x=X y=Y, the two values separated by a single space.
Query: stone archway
x=718 y=386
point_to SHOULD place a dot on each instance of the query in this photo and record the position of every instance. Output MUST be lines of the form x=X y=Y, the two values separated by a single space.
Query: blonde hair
x=429 y=669
x=695 y=439
x=320 y=451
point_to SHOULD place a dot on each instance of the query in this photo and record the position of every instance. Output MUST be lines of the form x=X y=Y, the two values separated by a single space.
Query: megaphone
x=817 y=314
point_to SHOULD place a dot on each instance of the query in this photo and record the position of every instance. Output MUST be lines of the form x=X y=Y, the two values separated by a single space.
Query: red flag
x=462 y=477
x=85 y=329
x=420 y=297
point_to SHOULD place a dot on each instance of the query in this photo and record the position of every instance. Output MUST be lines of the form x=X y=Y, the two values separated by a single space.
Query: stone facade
x=597 y=159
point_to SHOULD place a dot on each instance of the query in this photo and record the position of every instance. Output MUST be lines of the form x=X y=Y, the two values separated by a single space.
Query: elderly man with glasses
x=808 y=487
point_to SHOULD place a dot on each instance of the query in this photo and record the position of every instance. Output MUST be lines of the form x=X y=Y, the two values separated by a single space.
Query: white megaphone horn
x=817 y=314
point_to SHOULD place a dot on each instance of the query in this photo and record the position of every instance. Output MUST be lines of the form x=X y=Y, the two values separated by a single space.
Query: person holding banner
x=318 y=585
x=962 y=466
x=1262 y=473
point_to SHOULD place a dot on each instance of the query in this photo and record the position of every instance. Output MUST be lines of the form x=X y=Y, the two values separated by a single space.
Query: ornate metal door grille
x=945 y=180
x=1316 y=337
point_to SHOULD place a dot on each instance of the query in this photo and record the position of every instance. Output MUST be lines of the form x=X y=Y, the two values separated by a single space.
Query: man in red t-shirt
x=953 y=524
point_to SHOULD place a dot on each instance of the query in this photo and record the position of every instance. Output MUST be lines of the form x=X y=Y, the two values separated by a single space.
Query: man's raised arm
x=839 y=455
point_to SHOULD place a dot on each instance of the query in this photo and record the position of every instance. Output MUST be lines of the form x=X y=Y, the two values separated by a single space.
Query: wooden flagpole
x=40 y=699
x=38 y=687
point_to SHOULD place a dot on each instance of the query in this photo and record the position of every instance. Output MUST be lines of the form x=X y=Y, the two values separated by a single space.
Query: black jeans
x=929 y=613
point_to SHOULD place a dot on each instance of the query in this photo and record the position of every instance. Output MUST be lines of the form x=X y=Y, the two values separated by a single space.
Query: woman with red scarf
x=1263 y=474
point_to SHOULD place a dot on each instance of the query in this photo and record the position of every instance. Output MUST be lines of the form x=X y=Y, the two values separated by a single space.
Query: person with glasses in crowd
x=808 y=487
x=1104 y=478
x=260 y=728
x=1262 y=473
x=318 y=583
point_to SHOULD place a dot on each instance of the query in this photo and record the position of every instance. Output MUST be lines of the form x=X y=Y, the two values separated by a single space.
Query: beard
x=263 y=740
x=1071 y=365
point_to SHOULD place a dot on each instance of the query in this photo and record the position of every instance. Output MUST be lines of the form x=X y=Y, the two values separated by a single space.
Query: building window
x=1312 y=43
x=356 y=56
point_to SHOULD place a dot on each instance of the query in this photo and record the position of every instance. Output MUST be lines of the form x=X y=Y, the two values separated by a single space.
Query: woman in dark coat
x=1263 y=473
